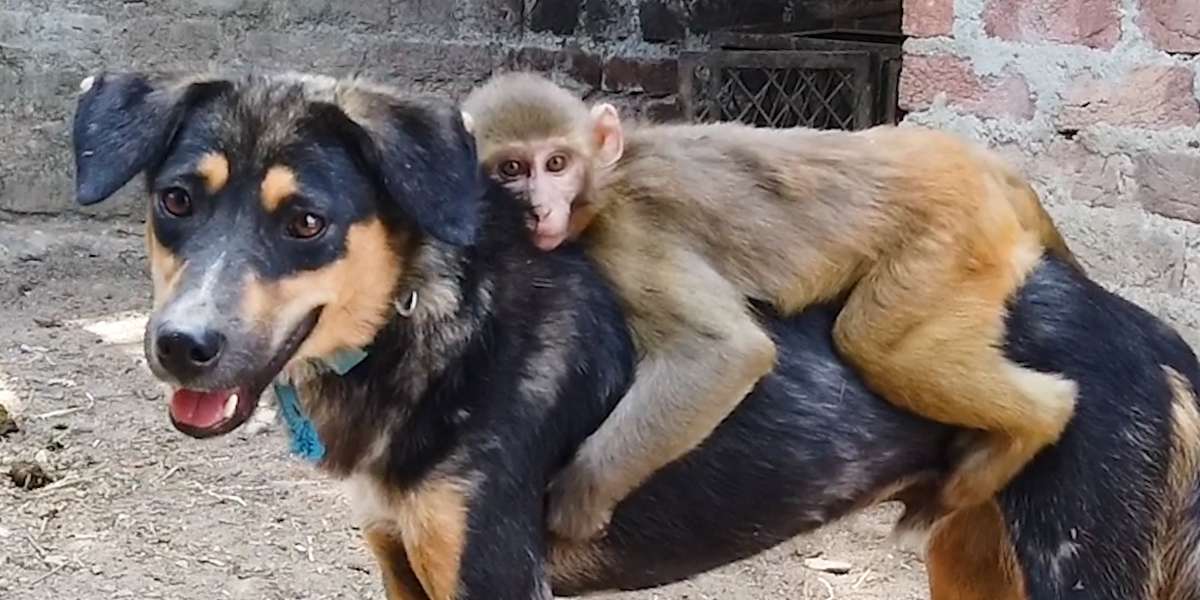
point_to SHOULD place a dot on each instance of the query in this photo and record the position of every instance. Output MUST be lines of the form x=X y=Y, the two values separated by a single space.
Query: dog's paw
x=579 y=510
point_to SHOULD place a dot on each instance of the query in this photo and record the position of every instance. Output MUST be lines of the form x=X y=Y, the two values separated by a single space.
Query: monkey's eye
x=306 y=226
x=511 y=169
x=556 y=163
x=176 y=202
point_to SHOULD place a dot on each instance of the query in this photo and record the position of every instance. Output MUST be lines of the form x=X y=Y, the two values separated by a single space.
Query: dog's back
x=1109 y=512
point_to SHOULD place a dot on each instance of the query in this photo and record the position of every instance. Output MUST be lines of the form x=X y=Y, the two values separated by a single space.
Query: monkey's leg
x=703 y=351
x=925 y=328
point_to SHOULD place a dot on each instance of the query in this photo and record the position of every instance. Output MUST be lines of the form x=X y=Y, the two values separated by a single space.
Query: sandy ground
x=137 y=510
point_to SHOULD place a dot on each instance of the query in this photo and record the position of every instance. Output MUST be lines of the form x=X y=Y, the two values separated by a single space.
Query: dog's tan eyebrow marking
x=214 y=168
x=277 y=186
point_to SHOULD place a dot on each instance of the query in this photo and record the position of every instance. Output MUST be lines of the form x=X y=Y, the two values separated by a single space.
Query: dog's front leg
x=505 y=553
x=469 y=537
x=399 y=580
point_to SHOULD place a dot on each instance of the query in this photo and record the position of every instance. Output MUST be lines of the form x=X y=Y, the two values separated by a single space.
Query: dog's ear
x=124 y=123
x=425 y=161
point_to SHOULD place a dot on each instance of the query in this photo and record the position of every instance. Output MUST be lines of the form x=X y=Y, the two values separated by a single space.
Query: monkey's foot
x=983 y=472
x=579 y=510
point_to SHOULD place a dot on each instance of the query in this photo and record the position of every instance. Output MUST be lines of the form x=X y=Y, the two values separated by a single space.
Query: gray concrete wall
x=622 y=49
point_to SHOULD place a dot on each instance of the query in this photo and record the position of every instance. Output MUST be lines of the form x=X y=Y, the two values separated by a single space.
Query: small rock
x=47 y=322
x=7 y=424
x=29 y=476
x=835 y=567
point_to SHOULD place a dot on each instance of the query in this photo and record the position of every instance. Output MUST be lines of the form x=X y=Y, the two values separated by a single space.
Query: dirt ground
x=137 y=510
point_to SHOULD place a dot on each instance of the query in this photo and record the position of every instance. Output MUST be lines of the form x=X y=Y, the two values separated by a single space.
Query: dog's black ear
x=123 y=125
x=425 y=160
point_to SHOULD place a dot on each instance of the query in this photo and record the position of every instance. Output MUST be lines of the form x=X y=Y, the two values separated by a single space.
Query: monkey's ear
x=123 y=125
x=424 y=158
x=607 y=133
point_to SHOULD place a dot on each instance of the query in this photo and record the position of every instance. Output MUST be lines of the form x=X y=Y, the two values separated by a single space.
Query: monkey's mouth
x=550 y=225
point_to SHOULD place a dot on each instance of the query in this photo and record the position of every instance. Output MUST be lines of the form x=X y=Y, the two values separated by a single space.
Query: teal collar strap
x=305 y=442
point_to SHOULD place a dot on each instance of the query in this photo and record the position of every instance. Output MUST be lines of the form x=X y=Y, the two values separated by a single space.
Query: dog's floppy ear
x=424 y=159
x=123 y=125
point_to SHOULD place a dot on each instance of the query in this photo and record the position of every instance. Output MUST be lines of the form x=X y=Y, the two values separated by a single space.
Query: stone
x=1091 y=178
x=651 y=76
x=28 y=476
x=8 y=425
x=1167 y=183
x=835 y=567
x=1154 y=97
x=663 y=111
x=927 y=18
x=1093 y=23
x=661 y=21
x=1172 y=25
x=580 y=67
x=925 y=78
x=554 y=16
x=605 y=19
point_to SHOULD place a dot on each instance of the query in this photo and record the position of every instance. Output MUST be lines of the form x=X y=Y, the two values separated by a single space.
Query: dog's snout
x=188 y=354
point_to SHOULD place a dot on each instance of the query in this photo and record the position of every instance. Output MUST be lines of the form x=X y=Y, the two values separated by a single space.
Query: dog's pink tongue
x=199 y=409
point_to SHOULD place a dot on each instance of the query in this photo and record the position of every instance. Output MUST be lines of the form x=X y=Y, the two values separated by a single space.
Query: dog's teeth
x=231 y=405
x=87 y=83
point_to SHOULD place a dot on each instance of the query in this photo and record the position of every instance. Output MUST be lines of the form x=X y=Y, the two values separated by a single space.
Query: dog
x=338 y=236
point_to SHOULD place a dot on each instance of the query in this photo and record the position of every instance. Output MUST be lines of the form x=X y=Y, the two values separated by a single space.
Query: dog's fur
x=468 y=404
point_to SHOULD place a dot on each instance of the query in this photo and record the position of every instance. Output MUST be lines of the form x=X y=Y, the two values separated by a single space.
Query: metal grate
x=824 y=99
x=823 y=89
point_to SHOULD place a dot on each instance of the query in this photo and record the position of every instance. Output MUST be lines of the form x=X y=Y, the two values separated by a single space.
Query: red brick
x=1172 y=25
x=1095 y=23
x=923 y=78
x=652 y=76
x=1092 y=179
x=580 y=66
x=926 y=18
x=663 y=111
x=1167 y=184
x=1154 y=97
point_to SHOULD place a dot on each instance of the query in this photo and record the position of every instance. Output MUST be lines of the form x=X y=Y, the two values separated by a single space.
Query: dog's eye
x=306 y=226
x=511 y=169
x=176 y=202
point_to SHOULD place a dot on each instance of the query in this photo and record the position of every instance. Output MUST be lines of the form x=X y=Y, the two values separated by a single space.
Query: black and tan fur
x=924 y=235
x=471 y=400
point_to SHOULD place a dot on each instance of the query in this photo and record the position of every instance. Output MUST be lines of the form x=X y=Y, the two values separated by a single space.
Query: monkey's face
x=550 y=175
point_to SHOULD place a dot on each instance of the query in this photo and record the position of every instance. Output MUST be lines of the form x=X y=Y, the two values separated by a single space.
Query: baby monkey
x=923 y=235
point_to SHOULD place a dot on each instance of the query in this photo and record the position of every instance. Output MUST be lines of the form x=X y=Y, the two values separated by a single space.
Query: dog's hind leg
x=970 y=557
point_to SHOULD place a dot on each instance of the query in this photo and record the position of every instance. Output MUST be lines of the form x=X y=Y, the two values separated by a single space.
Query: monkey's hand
x=579 y=506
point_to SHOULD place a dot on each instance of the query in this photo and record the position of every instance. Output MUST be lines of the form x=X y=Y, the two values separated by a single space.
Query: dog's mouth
x=210 y=413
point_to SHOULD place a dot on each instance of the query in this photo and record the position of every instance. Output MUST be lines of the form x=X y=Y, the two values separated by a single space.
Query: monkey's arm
x=703 y=351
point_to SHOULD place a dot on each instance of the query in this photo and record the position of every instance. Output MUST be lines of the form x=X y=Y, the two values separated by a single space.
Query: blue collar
x=305 y=442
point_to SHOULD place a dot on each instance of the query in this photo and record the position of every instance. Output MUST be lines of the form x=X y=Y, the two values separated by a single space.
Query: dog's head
x=283 y=209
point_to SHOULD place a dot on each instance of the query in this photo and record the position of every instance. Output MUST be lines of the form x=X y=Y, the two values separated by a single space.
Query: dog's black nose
x=188 y=354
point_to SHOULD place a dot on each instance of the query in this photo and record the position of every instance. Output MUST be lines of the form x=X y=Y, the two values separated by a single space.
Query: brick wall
x=1098 y=101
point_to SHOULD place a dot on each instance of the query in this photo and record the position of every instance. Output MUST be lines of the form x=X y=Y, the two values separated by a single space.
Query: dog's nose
x=188 y=354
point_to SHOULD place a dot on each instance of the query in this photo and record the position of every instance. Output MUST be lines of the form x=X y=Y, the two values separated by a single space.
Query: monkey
x=921 y=235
